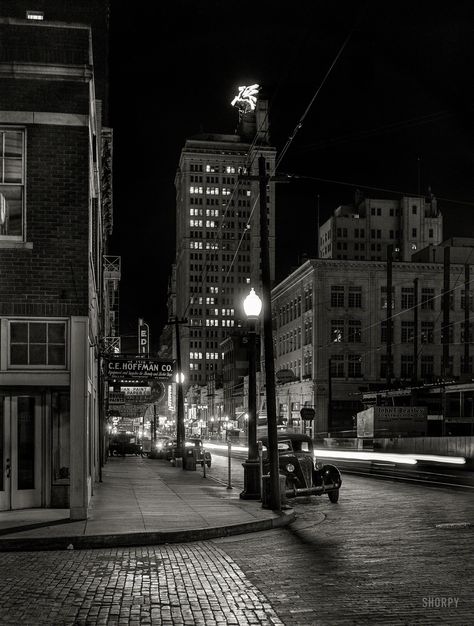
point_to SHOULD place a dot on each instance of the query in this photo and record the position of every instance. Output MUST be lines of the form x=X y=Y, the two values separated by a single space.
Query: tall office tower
x=217 y=237
x=362 y=231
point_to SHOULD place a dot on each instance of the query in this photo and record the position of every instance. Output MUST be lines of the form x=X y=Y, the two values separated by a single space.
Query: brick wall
x=51 y=279
x=46 y=96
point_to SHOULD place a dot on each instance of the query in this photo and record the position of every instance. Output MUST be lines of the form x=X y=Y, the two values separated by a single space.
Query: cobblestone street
x=184 y=584
x=377 y=557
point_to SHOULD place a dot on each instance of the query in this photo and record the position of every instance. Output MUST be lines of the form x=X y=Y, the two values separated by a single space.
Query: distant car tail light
x=290 y=467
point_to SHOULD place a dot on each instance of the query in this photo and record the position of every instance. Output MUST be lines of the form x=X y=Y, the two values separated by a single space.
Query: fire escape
x=112 y=304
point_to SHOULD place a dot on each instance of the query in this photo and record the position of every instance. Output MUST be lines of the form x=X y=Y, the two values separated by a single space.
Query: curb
x=84 y=542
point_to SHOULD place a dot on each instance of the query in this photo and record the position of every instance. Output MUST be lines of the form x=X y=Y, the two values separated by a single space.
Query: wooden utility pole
x=389 y=314
x=415 y=330
x=275 y=502
x=180 y=431
x=467 y=315
x=446 y=308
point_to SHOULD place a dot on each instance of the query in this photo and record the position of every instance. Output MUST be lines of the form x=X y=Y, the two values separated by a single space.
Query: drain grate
x=455 y=525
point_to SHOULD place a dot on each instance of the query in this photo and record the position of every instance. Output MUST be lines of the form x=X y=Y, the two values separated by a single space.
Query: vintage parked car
x=159 y=449
x=304 y=475
x=202 y=455
x=168 y=449
x=124 y=443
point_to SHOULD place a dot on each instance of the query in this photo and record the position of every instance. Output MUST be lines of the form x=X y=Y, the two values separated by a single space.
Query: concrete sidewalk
x=141 y=502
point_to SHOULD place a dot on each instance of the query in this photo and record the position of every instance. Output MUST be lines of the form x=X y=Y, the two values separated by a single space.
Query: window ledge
x=22 y=245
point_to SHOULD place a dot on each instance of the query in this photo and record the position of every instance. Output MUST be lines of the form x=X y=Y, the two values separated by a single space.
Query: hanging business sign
x=307 y=413
x=140 y=369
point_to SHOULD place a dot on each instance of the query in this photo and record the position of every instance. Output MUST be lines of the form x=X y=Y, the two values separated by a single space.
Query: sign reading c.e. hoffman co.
x=157 y=369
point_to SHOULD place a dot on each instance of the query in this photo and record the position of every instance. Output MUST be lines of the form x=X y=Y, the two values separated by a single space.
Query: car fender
x=331 y=475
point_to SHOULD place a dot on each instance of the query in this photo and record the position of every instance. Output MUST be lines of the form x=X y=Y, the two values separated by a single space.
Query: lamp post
x=252 y=308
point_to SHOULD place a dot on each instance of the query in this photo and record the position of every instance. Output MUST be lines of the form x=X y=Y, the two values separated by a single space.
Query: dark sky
x=395 y=110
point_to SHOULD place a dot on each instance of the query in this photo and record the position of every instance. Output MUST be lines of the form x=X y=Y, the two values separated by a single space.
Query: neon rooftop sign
x=246 y=99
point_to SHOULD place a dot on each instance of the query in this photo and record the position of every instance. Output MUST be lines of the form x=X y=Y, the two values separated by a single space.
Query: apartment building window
x=354 y=366
x=413 y=209
x=406 y=366
x=430 y=233
x=383 y=365
x=427 y=332
x=413 y=232
x=337 y=331
x=12 y=153
x=427 y=298
x=408 y=329
x=464 y=369
x=447 y=331
x=337 y=296
x=355 y=297
x=38 y=344
x=463 y=337
x=354 y=334
x=383 y=297
x=337 y=366
x=383 y=332
x=463 y=300
x=408 y=297
x=427 y=365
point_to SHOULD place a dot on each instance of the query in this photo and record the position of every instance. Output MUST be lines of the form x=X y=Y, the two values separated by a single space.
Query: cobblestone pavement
x=377 y=557
x=182 y=584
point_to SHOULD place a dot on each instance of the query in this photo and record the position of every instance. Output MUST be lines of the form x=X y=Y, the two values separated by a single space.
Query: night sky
x=395 y=114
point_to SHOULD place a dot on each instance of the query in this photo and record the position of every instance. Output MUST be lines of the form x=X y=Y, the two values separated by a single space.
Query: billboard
x=386 y=421
x=140 y=369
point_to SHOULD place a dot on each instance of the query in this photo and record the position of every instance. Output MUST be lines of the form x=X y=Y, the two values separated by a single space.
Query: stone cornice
x=46 y=71
x=43 y=117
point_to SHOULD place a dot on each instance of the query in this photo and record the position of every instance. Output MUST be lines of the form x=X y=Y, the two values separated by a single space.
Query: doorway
x=20 y=451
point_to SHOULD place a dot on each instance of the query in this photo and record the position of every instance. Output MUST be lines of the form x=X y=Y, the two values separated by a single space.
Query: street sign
x=307 y=413
x=139 y=369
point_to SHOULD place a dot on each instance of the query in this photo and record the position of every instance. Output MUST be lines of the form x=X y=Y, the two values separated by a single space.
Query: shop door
x=20 y=452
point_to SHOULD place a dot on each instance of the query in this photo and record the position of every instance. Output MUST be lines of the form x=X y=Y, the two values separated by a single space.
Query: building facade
x=54 y=226
x=363 y=231
x=217 y=238
x=330 y=328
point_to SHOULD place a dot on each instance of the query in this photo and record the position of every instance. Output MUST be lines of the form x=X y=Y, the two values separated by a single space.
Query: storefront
x=48 y=415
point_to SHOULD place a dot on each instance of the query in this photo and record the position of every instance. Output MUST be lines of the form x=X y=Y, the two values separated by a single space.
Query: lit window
x=11 y=184
x=35 y=15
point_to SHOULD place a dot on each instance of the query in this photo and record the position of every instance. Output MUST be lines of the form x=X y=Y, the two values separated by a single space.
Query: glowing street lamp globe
x=252 y=305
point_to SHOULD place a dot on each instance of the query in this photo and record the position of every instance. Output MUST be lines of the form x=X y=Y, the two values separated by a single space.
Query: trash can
x=189 y=460
x=266 y=490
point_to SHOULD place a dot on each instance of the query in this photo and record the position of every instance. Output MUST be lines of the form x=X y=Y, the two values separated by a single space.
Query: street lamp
x=252 y=308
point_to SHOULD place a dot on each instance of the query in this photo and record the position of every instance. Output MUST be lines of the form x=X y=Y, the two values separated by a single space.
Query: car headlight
x=290 y=467
x=159 y=446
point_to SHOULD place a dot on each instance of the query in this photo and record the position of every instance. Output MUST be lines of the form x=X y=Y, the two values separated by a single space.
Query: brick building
x=54 y=225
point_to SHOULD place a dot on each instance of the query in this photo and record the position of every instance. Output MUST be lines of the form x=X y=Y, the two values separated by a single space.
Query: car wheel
x=333 y=496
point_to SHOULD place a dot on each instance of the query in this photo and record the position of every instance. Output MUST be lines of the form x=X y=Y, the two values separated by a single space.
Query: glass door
x=21 y=480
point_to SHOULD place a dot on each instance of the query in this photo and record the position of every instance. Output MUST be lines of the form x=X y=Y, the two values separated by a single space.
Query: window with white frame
x=37 y=344
x=12 y=157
